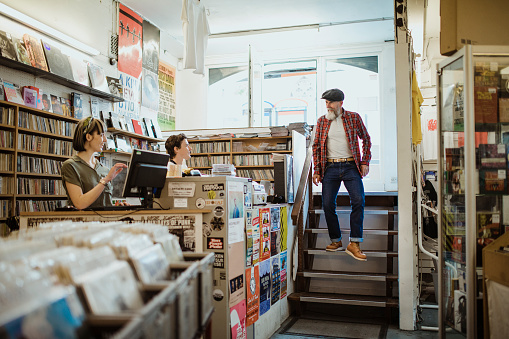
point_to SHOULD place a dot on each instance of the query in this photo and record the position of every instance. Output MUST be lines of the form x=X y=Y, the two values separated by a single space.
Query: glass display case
x=473 y=122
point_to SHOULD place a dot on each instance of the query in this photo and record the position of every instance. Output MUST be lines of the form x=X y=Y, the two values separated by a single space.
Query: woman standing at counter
x=86 y=180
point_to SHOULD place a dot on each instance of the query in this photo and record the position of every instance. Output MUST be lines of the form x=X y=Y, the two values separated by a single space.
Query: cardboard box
x=495 y=262
x=473 y=22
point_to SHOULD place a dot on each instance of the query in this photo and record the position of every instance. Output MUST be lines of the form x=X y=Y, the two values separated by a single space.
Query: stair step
x=372 y=254
x=343 y=299
x=347 y=275
x=346 y=230
x=366 y=211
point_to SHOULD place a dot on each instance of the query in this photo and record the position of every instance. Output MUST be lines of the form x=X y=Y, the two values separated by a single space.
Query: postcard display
x=473 y=121
x=250 y=246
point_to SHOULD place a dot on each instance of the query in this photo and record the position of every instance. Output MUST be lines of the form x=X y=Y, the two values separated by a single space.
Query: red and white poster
x=238 y=320
x=130 y=39
x=265 y=233
x=252 y=294
x=256 y=235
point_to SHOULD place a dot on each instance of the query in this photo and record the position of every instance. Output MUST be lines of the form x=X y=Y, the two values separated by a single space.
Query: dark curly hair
x=172 y=142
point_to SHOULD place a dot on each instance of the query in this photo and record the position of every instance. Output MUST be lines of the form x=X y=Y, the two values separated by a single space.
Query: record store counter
x=186 y=218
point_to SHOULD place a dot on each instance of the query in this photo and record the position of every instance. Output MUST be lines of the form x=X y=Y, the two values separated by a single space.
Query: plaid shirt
x=354 y=129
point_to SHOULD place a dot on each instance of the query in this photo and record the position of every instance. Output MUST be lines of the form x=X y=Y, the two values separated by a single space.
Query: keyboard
x=102 y=208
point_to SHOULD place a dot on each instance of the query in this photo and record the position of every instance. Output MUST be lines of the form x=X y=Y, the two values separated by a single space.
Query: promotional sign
x=252 y=294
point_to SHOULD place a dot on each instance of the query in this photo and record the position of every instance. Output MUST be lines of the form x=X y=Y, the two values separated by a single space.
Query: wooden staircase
x=377 y=206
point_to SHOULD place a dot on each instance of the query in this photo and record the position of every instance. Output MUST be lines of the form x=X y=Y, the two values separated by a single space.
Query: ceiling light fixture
x=45 y=29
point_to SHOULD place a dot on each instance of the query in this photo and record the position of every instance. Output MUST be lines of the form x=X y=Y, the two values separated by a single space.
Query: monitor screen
x=146 y=175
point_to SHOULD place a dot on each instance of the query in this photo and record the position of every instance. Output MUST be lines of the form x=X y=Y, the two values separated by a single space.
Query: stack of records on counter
x=223 y=170
x=301 y=127
x=279 y=131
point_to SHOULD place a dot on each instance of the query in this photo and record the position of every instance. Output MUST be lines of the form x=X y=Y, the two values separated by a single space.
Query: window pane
x=289 y=93
x=228 y=97
x=358 y=79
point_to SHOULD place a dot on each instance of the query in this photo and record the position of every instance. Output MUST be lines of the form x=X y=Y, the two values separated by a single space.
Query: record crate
x=206 y=280
x=156 y=319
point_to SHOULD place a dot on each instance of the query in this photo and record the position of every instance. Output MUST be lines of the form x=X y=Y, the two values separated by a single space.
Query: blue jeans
x=335 y=173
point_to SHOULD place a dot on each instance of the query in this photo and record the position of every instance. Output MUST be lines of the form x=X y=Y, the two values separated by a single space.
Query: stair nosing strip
x=344 y=301
x=365 y=277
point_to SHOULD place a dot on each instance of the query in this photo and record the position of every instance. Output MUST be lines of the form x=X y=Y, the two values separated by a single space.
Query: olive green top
x=76 y=171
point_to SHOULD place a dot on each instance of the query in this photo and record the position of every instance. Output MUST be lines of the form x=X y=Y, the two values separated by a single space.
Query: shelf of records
x=28 y=205
x=98 y=280
x=44 y=60
x=143 y=129
x=124 y=144
x=256 y=174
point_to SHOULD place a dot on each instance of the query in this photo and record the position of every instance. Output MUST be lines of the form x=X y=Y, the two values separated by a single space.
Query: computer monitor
x=146 y=175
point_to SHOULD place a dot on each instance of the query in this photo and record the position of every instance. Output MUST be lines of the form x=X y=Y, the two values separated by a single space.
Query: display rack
x=473 y=116
x=251 y=156
x=58 y=79
x=34 y=145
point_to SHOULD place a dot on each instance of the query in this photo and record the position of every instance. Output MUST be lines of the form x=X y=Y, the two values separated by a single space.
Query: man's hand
x=316 y=179
x=364 y=170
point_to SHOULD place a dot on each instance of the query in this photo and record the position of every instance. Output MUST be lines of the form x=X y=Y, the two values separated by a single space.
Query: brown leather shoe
x=355 y=251
x=335 y=246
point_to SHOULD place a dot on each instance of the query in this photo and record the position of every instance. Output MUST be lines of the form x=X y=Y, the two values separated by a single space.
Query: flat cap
x=333 y=95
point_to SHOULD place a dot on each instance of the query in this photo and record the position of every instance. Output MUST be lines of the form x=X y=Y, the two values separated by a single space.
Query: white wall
x=192 y=91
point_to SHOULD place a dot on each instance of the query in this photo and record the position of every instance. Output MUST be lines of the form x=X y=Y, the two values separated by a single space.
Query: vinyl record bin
x=156 y=319
x=185 y=275
x=206 y=280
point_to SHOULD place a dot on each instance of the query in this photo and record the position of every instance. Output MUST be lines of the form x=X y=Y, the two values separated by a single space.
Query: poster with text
x=283 y=266
x=274 y=218
x=249 y=237
x=265 y=233
x=252 y=295
x=151 y=38
x=275 y=280
x=264 y=286
x=184 y=227
x=130 y=107
x=235 y=212
x=283 y=230
x=149 y=90
x=166 y=113
x=130 y=37
x=238 y=320
x=274 y=243
x=256 y=235
x=236 y=273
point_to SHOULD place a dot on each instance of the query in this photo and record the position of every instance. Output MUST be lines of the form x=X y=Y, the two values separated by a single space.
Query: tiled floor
x=331 y=323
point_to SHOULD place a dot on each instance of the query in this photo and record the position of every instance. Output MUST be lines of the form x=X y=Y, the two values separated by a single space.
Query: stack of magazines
x=223 y=170
x=279 y=131
x=301 y=127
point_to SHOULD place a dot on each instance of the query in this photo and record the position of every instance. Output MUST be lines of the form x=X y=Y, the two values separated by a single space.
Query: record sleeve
x=13 y=93
x=35 y=52
x=2 y=93
x=66 y=106
x=115 y=86
x=137 y=127
x=7 y=46
x=111 y=289
x=56 y=106
x=58 y=63
x=150 y=264
x=97 y=78
x=30 y=97
x=77 y=105
x=79 y=71
x=21 y=51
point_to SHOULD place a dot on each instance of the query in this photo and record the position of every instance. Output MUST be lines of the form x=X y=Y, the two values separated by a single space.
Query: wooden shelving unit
x=251 y=156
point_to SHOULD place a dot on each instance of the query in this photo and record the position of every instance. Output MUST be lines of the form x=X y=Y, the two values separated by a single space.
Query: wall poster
x=166 y=113
x=252 y=294
x=130 y=37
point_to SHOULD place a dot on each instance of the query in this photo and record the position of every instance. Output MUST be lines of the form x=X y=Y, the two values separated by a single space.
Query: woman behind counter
x=86 y=180
x=179 y=149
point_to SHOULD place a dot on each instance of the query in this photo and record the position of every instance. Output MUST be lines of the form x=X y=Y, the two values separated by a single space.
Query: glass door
x=452 y=197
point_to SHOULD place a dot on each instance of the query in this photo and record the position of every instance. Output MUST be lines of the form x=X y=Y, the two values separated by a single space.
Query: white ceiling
x=338 y=20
